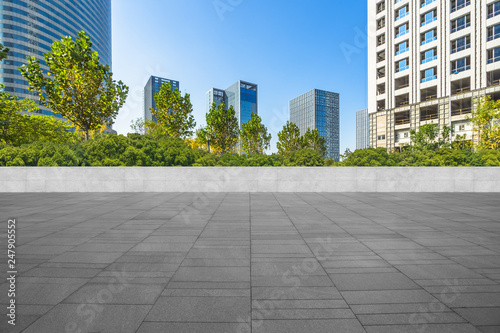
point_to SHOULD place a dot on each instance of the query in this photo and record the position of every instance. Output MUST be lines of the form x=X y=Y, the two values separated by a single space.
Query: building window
x=381 y=137
x=429 y=36
x=459 y=4
x=381 y=56
x=460 y=65
x=402 y=12
x=381 y=40
x=429 y=75
x=402 y=47
x=460 y=44
x=494 y=32
x=424 y=3
x=402 y=65
x=494 y=55
x=461 y=127
x=428 y=17
x=493 y=9
x=380 y=7
x=402 y=30
x=405 y=134
x=381 y=23
x=429 y=56
x=381 y=73
x=460 y=23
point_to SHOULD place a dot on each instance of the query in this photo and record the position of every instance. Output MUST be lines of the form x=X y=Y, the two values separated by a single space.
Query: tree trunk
x=86 y=135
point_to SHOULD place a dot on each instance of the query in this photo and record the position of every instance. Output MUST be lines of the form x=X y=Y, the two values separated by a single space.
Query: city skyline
x=232 y=52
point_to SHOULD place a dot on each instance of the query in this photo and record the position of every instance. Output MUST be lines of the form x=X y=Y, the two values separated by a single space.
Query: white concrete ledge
x=249 y=179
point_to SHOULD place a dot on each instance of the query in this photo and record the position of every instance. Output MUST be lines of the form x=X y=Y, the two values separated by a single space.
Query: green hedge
x=145 y=150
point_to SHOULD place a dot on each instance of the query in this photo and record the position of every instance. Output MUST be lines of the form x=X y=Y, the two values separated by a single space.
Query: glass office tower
x=319 y=109
x=28 y=28
x=152 y=87
x=241 y=95
x=215 y=96
x=362 y=130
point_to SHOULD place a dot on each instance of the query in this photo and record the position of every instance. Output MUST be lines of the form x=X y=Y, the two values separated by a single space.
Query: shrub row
x=145 y=150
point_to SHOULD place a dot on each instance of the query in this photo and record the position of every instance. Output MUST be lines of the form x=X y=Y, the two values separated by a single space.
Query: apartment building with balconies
x=421 y=52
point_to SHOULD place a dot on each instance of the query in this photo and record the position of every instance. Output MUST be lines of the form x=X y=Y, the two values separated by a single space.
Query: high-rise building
x=28 y=28
x=362 y=133
x=241 y=95
x=421 y=52
x=152 y=87
x=216 y=96
x=319 y=109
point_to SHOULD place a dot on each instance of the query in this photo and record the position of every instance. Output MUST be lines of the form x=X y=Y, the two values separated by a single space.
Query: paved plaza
x=253 y=262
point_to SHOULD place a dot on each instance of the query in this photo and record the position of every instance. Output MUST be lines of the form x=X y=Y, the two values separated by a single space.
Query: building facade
x=28 y=28
x=362 y=132
x=319 y=109
x=242 y=95
x=152 y=87
x=421 y=52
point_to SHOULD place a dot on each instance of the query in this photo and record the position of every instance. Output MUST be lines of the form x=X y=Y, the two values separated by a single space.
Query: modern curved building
x=28 y=28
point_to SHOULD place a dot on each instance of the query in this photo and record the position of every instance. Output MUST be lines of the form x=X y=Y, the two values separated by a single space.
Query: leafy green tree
x=289 y=139
x=304 y=157
x=371 y=157
x=486 y=123
x=429 y=137
x=174 y=112
x=3 y=52
x=254 y=136
x=223 y=128
x=138 y=126
x=312 y=140
x=346 y=154
x=77 y=86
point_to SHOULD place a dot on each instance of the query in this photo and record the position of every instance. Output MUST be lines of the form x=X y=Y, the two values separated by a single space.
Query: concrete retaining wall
x=248 y=179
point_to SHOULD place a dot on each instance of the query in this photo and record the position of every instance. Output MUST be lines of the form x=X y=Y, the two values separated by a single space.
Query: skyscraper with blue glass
x=28 y=28
x=319 y=109
x=241 y=95
x=152 y=87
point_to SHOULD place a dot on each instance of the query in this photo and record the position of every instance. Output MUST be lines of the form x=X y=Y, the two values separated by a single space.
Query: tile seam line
x=120 y=196
x=419 y=222
x=438 y=300
x=315 y=257
x=184 y=258
x=128 y=195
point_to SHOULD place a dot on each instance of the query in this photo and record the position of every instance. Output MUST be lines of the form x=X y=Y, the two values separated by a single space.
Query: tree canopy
x=254 y=136
x=289 y=139
x=77 y=86
x=222 y=127
x=486 y=122
x=174 y=112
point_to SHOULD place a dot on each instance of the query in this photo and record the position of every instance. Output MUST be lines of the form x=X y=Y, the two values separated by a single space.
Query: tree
x=174 y=112
x=223 y=128
x=138 y=126
x=3 y=52
x=304 y=157
x=254 y=136
x=346 y=154
x=77 y=86
x=288 y=139
x=486 y=123
x=312 y=140
x=429 y=137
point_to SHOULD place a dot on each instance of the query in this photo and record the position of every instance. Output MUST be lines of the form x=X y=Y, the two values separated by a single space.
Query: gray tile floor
x=315 y=262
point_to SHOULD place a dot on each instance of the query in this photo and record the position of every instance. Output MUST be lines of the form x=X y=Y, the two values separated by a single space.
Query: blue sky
x=287 y=47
